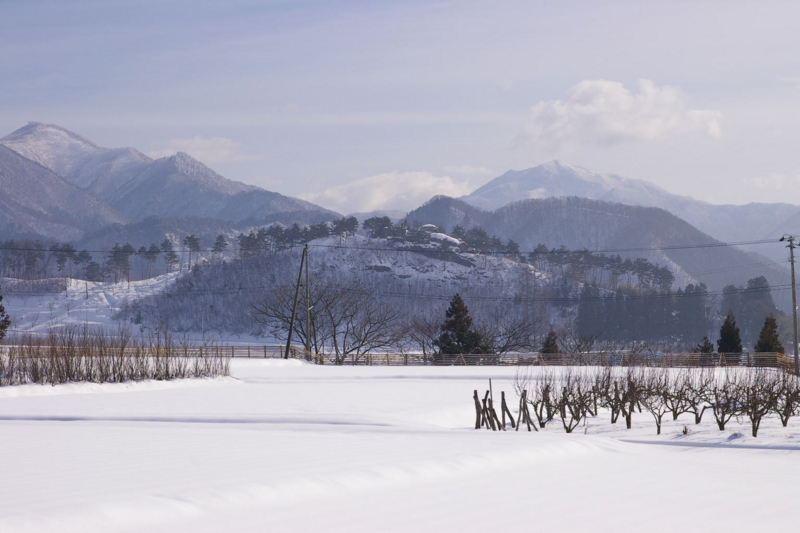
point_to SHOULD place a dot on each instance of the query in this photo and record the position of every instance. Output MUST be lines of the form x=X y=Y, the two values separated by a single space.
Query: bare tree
x=758 y=391
x=787 y=397
x=347 y=322
x=655 y=391
x=724 y=398
x=510 y=333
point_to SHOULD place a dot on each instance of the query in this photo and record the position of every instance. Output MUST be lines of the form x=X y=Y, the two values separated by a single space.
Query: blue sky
x=369 y=105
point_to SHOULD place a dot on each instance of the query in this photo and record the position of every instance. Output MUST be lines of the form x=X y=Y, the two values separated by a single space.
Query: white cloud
x=600 y=112
x=392 y=190
x=209 y=151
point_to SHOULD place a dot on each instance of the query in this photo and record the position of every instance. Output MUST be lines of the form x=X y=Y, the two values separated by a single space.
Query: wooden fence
x=766 y=360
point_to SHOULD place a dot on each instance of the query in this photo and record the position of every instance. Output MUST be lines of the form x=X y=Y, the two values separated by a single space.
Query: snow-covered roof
x=445 y=238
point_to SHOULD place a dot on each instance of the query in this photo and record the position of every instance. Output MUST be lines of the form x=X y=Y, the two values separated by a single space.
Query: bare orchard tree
x=347 y=322
x=787 y=397
x=724 y=397
x=758 y=394
x=698 y=382
x=655 y=394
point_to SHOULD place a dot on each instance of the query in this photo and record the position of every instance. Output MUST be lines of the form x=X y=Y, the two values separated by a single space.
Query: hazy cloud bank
x=601 y=112
x=391 y=190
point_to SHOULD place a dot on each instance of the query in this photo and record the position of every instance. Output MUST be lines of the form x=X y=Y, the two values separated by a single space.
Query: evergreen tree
x=589 y=321
x=152 y=256
x=458 y=336
x=704 y=347
x=768 y=339
x=729 y=340
x=5 y=321
x=193 y=244
x=170 y=256
x=380 y=227
x=220 y=245
x=550 y=344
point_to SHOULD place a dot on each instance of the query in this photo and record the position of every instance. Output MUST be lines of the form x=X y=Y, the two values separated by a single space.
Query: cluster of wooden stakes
x=486 y=416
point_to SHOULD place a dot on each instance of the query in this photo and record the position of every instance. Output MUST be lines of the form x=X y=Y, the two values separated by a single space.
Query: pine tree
x=220 y=245
x=550 y=344
x=5 y=321
x=170 y=256
x=705 y=346
x=768 y=339
x=193 y=244
x=729 y=340
x=457 y=336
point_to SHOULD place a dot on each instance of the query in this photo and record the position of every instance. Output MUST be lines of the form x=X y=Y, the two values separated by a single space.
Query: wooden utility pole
x=294 y=307
x=308 y=307
x=791 y=239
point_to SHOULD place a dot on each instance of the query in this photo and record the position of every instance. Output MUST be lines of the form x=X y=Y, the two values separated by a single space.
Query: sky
x=365 y=105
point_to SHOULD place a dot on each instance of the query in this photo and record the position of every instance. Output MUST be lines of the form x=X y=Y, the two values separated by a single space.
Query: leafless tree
x=347 y=322
x=421 y=332
x=787 y=397
x=724 y=398
x=655 y=393
x=573 y=399
x=758 y=391
x=510 y=333
x=698 y=383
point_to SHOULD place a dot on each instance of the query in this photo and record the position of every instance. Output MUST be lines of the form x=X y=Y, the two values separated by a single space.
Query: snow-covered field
x=96 y=304
x=285 y=446
x=84 y=302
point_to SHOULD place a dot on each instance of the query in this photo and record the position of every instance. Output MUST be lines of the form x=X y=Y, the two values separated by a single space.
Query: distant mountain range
x=97 y=187
x=729 y=223
x=630 y=231
x=58 y=184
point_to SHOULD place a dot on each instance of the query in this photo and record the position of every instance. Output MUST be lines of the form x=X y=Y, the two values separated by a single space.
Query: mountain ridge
x=725 y=222
x=136 y=187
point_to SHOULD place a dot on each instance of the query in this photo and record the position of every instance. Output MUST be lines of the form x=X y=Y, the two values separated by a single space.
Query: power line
x=389 y=249
x=554 y=250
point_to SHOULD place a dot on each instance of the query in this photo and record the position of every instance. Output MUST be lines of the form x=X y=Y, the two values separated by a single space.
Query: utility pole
x=294 y=307
x=791 y=239
x=308 y=308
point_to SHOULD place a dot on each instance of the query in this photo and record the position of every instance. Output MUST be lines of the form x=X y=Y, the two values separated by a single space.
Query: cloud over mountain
x=390 y=190
x=602 y=112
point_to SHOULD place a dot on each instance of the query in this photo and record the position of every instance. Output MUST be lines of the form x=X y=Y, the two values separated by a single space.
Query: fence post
x=265 y=351
x=248 y=352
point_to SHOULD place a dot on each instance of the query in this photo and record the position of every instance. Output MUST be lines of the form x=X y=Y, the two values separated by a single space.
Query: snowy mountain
x=99 y=171
x=133 y=186
x=37 y=202
x=556 y=179
x=579 y=223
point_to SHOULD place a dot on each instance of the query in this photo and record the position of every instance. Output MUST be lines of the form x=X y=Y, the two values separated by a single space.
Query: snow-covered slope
x=78 y=160
x=36 y=201
x=83 y=302
x=138 y=187
x=557 y=179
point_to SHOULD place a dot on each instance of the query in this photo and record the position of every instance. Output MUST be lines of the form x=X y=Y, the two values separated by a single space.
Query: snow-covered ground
x=96 y=304
x=286 y=446
x=93 y=303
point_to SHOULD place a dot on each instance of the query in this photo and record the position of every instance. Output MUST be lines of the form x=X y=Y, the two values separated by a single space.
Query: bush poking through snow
x=84 y=355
